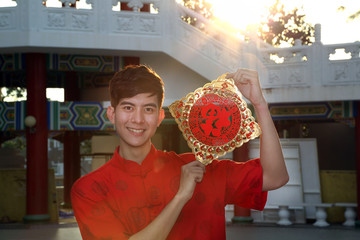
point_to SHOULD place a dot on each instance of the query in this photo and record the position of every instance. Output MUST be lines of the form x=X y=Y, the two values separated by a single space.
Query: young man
x=144 y=193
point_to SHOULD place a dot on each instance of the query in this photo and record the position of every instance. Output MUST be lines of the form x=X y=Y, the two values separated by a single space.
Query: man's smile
x=136 y=130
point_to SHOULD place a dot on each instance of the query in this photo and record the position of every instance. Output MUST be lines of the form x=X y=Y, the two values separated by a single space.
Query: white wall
x=178 y=79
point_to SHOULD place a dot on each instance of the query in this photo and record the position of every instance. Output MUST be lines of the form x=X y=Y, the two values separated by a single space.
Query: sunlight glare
x=245 y=16
x=53 y=3
x=12 y=97
x=82 y=4
x=8 y=3
x=55 y=94
x=52 y=94
x=241 y=14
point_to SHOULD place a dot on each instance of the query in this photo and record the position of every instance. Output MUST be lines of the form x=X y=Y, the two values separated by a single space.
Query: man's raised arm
x=272 y=161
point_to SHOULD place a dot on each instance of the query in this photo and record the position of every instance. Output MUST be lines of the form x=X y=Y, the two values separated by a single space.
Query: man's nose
x=138 y=116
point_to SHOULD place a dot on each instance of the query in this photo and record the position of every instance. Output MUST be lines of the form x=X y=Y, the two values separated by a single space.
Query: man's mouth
x=136 y=130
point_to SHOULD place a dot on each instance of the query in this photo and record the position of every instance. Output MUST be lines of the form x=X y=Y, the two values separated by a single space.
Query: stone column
x=71 y=141
x=36 y=140
x=72 y=163
x=357 y=144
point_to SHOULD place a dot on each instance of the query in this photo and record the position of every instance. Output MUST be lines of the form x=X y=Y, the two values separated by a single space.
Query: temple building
x=313 y=94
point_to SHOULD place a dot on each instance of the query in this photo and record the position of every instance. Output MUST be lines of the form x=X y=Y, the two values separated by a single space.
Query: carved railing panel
x=31 y=23
x=136 y=23
x=68 y=20
x=8 y=18
x=286 y=66
x=342 y=65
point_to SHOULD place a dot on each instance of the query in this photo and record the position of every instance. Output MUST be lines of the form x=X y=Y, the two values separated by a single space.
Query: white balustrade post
x=350 y=216
x=229 y=213
x=317 y=33
x=30 y=14
x=297 y=42
x=284 y=216
x=168 y=13
x=103 y=8
x=316 y=58
x=321 y=216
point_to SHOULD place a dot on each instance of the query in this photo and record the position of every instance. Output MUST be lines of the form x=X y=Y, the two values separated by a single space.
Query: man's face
x=136 y=119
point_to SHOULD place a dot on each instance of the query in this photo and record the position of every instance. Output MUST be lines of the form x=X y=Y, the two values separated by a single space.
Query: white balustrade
x=320 y=214
x=294 y=74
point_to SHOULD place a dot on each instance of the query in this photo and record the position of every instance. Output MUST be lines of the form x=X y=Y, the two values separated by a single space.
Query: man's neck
x=137 y=154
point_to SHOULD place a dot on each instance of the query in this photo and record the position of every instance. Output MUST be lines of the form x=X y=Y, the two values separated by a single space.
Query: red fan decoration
x=214 y=119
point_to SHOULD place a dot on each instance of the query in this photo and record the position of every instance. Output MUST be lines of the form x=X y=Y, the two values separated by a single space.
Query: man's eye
x=149 y=110
x=128 y=108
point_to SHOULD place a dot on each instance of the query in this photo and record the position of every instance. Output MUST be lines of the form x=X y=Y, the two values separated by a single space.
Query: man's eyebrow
x=127 y=103
x=132 y=104
x=151 y=105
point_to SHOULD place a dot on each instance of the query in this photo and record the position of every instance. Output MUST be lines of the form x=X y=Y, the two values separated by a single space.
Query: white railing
x=341 y=65
x=214 y=50
x=315 y=65
x=286 y=66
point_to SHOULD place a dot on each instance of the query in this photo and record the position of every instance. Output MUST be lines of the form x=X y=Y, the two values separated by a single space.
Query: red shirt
x=122 y=197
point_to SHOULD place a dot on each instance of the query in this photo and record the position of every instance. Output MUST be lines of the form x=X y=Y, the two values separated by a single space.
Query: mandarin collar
x=132 y=167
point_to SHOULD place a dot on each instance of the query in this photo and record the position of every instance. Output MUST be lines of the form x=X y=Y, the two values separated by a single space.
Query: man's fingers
x=196 y=164
x=198 y=176
x=230 y=75
x=195 y=170
x=242 y=75
x=198 y=179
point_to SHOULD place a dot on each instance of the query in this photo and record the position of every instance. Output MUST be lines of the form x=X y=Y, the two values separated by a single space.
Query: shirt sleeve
x=95 y=217
x=244 y=184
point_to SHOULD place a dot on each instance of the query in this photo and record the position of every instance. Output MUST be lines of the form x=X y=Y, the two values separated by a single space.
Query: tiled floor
x=70 y=231
x=295 y=232
x=41 y=232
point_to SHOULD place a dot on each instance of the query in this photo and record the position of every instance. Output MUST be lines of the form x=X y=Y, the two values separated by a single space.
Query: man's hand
x=247 y=81
x=191 y=174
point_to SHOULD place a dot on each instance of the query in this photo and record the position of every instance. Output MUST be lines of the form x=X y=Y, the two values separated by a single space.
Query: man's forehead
x=143 y=98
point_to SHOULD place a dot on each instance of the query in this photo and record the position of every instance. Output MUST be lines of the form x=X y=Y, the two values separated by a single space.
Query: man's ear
x=161 y=116
x=111 y=114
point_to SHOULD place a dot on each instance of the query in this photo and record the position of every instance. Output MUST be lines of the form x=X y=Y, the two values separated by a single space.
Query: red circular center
x=214 y=120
